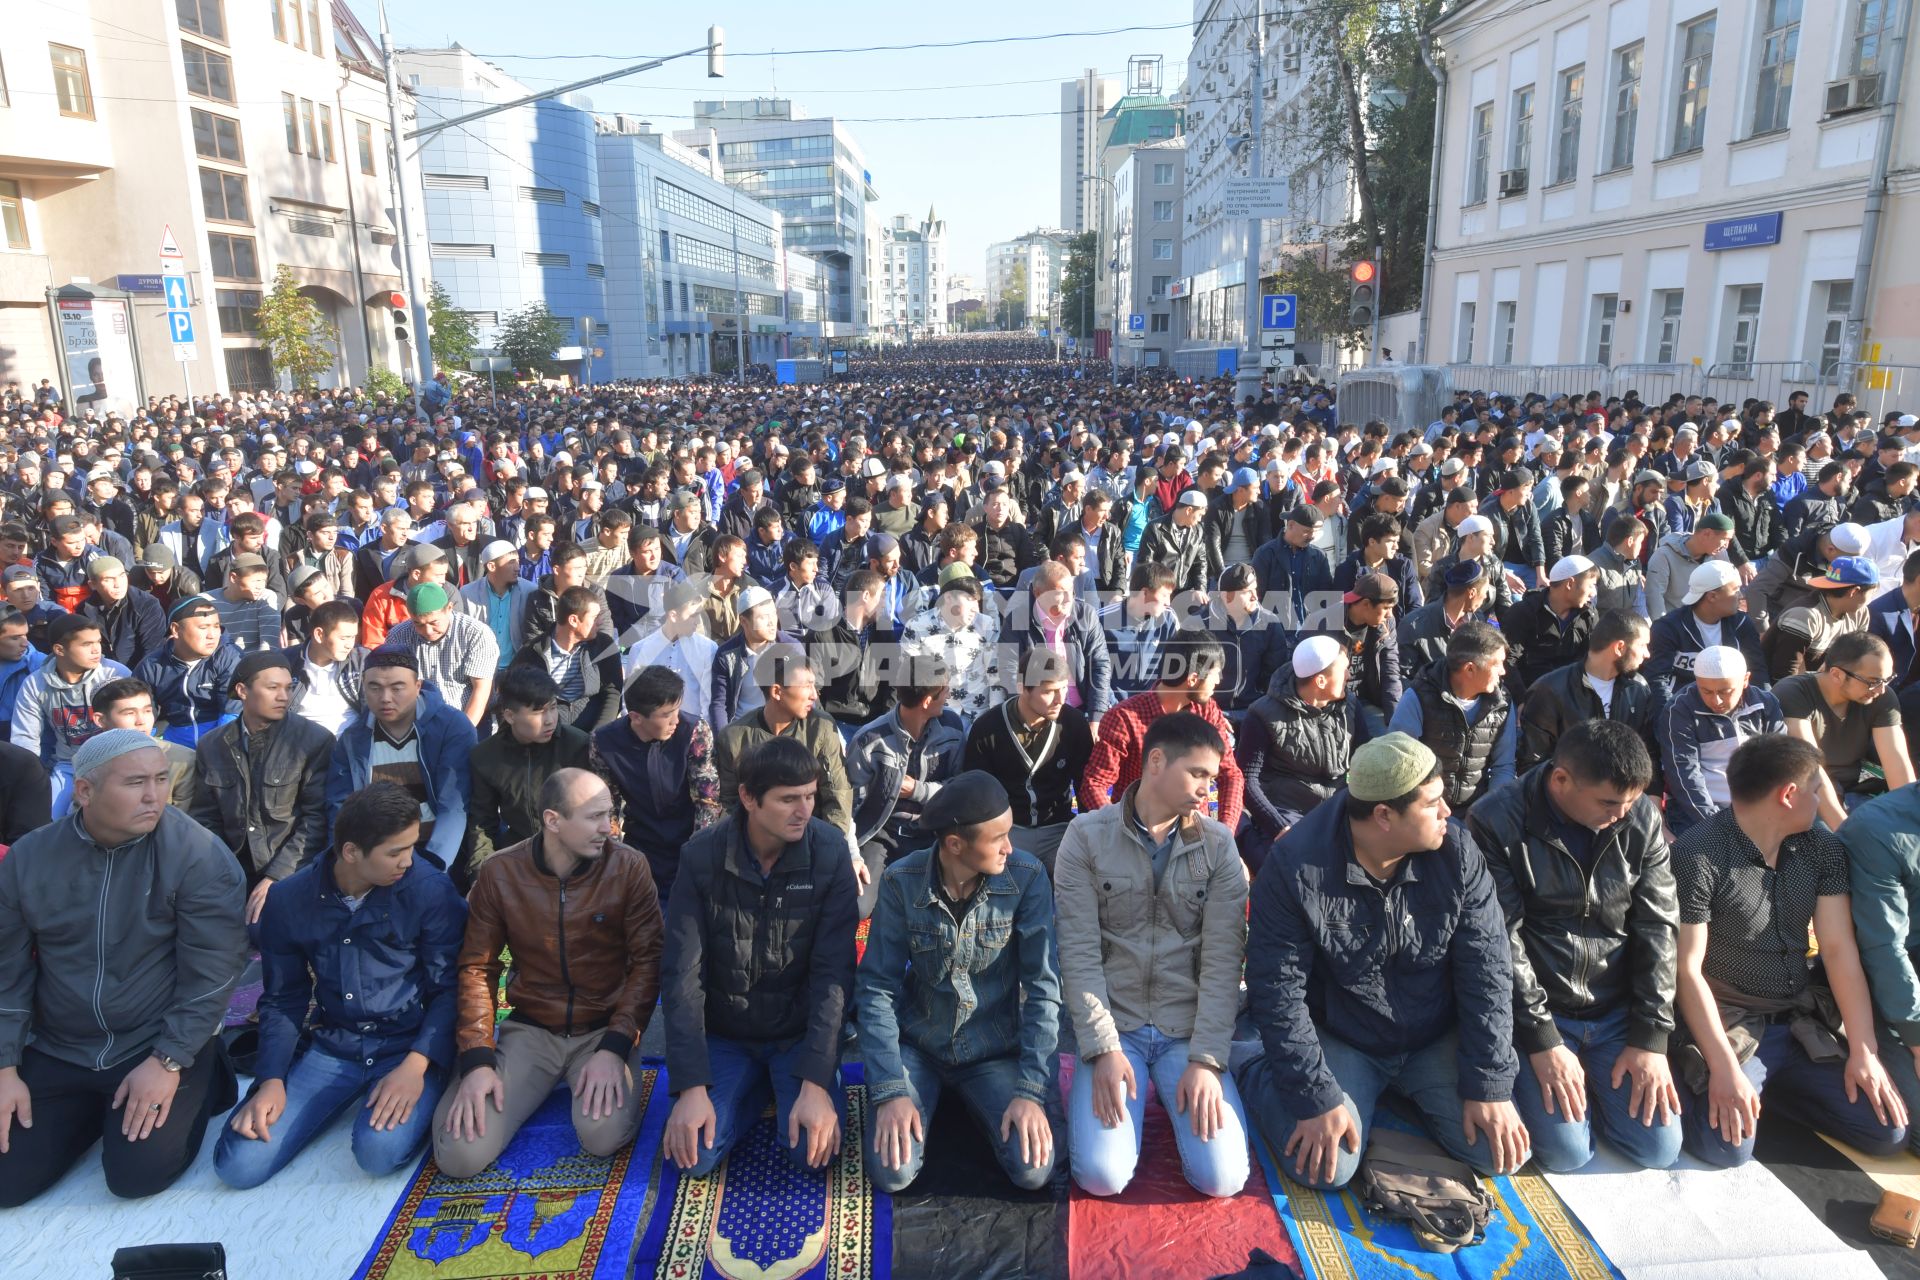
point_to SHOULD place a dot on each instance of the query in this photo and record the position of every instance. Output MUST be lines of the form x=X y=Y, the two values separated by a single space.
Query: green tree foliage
x=1012 y=311
x=1325 y=299
x=300 y=342
x=452 y=332
x=1076 y=285
x=387 y=385
x=529 y=337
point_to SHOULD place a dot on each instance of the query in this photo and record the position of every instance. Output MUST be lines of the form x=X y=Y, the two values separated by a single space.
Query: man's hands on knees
x=1315 y=1144
x=1506 y=1134
x=1563 y=1082
x=1114 y=1087
x=145 y=1099
x=1655 y=1099
x=896 y=1127
x=256 y=1117
x=1733 y=1105
x=1029 y=1119
x=393 y=1099
x=691 y=1126
x=1866 y=1074
x=602 y=1086
x=16 y=1103
x=815 y=1112
x=1202 y=1100
x=467 y=1117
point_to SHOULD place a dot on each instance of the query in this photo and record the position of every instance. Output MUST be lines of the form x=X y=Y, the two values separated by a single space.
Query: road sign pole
x=1251 y=377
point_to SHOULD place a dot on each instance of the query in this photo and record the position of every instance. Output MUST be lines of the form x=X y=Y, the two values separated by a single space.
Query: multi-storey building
x=1036 y=260
x=1143 y=116
x=1083 y=102
x=1672 y=182
x=1146 y=250
x=256 y=134
x=911 y=290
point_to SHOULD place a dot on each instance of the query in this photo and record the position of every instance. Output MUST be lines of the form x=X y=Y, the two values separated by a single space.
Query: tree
x=529 y=337
x=1012 y=312
x=1324 y=294
x=1076 y=285
x=300 y=342
x=453 y=335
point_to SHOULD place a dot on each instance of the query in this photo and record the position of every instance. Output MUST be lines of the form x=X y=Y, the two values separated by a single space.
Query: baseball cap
x=1710 y=576
x=1569 y=567
x=65 y=525
x=1700 y=470
x=1848 y=571
x=157 y=556
x=1308 y=516
x=1376 y=588
x=246 y=562
x=16 y=573
x=1472 y=525
x=1241 y=477
x=104 y=565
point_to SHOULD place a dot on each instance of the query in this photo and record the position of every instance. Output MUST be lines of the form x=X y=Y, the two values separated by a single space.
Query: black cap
x=973 y=797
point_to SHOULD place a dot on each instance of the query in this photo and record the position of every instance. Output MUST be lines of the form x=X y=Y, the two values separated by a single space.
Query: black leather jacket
x=1584 y=942
x=1562 y=698
x=271 y=811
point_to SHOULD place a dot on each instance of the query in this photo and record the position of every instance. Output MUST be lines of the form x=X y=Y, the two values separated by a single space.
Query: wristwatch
x=166 y=1063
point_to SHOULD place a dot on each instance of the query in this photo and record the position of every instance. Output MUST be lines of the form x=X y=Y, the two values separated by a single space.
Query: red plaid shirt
x=1115 y=763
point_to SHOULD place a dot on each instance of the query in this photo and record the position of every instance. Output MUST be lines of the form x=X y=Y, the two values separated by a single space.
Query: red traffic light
x=1364 y=272
x=397 y=301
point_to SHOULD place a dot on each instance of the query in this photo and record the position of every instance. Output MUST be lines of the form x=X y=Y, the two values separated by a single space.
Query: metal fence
x=1519 y=380
x=1655 y=384
x=1771 y=380
x=1879 y=389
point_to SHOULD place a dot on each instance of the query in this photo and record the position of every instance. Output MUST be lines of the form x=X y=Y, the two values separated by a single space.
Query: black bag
x=1407 y=1176
x=171 y=1262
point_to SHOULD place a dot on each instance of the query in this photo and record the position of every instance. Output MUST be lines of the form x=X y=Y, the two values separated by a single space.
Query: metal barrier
x=1654 y=383
x=1772 y=380
x=1522 y=380
x=1879 y=389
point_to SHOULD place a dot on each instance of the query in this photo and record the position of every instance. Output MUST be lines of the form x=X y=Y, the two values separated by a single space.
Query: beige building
x=1673 y=183
x=256 y=133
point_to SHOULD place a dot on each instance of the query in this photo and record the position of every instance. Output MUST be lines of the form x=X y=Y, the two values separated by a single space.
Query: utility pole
x=408 y=264
x=1250 y=376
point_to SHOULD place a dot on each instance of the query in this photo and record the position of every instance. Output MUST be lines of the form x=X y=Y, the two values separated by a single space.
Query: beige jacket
x=1133 y=955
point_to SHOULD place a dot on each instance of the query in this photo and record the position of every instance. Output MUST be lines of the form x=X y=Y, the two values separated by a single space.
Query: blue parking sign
x=1136 y=323
x=1277 y=311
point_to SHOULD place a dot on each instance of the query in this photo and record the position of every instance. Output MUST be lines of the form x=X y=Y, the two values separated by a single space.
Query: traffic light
x=1363 y=302
x=398 y=301
x=716 y=53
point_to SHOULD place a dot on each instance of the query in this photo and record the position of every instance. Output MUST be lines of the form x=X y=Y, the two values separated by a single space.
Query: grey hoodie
x=51 y=718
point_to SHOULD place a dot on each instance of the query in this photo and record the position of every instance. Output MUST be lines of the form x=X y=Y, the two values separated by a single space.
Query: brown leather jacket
x=586 y=950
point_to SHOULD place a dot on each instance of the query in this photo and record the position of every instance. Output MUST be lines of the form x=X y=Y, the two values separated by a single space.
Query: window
x=249 y=369
x=1157 y=323
x=1463 y=340
x=326 y=133
x=1626 y=106
x=1163 y=211
x=290 y=108
x=233 y=256
x=1779 y=45
x=278 y=9
x=13 y=214
x=1743 y=334
x=363 y=135
x=1161 y=284
x=1869 y=35
x=1695 y=47
x=313 y=29
x=1162 y=175
x=1520 y=135
x=225 y=196
x=238 y=310
x=1505 y=320
x=209 y=74
x=1163 y=251
x=1481 y=153
x=217 y=137
x=70 y=83
x=1833 y=325
x=311 y=130
x=1606 y=312
x=203 y=18
x=1566 y=140
x=1667 y=306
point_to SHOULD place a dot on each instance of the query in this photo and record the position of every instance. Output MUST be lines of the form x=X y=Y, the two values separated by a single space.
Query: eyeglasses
x=1872 y=686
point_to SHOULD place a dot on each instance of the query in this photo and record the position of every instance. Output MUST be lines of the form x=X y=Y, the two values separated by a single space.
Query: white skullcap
x=1569 y=567
x=1314 y=655
x=1474 y=524
x=96 y=752
x=1719 y=662
x=1850 y=538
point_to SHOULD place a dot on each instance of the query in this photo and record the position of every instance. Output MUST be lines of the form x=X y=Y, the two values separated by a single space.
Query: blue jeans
x=745 y=1074
x=1814 y=1093
x=1104 y=1159
x=1428 y=1078
x=1897 y=1057
x=1562 y=1145
x=1524 y=572
x=62 y=779
x=320 y=1087
x=987 y=1088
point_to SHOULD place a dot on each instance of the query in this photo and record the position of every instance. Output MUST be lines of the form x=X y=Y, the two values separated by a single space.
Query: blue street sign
x=175 y=287
x=1277 y=311
x=180 y=326
x=1136 y=323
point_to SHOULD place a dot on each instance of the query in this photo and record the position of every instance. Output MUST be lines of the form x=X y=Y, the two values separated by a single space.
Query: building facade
x=911 y=290
x=1082 y=104
x=1035 y=262
x=256 y=135
x=1147 y=220
x=1672 y=183
x=1141 y=117
x=811 y=172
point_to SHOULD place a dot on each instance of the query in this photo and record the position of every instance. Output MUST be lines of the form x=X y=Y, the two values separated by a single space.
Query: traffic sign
x=1136 y=323
x=1276 y=358
x=180 y=326
x=169 y=249
x=174 y=285
x=185 y=352
x=1277 y=338
x=1070 y=344
x=1277 y=310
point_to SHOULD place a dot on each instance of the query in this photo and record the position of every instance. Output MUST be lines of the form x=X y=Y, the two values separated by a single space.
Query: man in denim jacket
x=962 y=932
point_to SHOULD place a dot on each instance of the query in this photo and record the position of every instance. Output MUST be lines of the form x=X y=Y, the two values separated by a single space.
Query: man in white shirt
x=326 y=669
x=680 y=643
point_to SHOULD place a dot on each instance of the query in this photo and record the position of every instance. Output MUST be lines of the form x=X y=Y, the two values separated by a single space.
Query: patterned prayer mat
x=546 y=1211
x=1532 y=1235
x=757 y=1217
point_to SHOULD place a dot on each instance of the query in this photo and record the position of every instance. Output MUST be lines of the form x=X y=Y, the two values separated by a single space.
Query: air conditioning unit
x=1211 y=86
x=1855 y=93
x=1290 y=57
x=1270 y=90
x=1513 y=182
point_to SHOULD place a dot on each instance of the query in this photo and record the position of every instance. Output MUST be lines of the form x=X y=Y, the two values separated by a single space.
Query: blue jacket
x=195 y=693
x=12 y=676
x=1685 y=725
x=1883 y=858
x=381 y=979
x=954 y=990
x=1676 y=642
x=766 y=561
x=1388 y=970
x=1885 y=618
x=446 y=743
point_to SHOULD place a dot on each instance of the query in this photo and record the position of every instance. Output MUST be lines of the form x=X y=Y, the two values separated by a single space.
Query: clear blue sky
x=990 y=179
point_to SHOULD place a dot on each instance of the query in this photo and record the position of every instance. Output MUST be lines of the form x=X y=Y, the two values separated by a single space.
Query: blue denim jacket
x=381 y=978
x=953 y=990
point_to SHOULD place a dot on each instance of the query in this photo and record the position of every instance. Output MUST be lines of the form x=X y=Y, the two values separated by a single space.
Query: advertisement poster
x=96 y=339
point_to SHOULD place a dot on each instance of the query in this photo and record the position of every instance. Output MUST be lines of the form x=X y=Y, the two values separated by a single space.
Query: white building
x=1148 y=186
x=1082 y=104
x=256 y=133
x=911 y=290
x=1664 y=182
x=1040 y=259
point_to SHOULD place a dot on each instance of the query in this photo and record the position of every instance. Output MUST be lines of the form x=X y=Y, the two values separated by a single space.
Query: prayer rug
x=1532 y=1235
x=545 y=1211
x=757 y=1217
x=1836 y=1186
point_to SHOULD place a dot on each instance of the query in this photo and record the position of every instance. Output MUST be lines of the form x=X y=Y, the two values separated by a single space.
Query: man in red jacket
x=1191 y=667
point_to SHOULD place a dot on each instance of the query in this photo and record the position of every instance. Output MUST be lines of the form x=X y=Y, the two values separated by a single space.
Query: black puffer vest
x=1464 y=749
